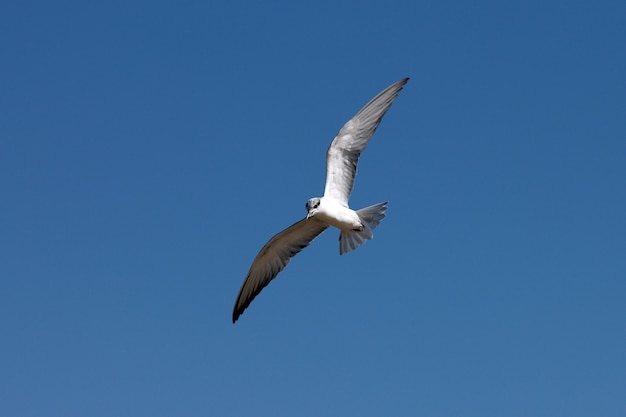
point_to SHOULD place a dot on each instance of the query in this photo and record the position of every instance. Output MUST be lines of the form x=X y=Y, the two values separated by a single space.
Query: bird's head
x=311 y=206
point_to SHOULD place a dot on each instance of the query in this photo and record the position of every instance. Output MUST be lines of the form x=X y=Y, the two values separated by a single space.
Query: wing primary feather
x=345 y=149
x=274 y=257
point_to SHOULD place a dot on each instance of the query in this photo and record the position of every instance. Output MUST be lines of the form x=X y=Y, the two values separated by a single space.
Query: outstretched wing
x=344 y=151
x=274 y=257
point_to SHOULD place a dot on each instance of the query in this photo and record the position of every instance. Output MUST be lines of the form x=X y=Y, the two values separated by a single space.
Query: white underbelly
x=338 y=215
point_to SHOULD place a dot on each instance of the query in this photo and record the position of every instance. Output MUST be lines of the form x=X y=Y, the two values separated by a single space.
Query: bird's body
x=336 y=214
x=332 y=208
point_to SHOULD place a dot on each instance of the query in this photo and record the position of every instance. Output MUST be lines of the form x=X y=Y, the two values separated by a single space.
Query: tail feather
x=370 y=217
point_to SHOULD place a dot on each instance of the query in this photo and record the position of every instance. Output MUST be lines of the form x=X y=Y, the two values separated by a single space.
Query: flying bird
x=331 y=209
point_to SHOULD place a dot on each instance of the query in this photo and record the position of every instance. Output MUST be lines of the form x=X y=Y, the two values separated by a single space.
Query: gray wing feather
x=274 y=257
x=344 y=151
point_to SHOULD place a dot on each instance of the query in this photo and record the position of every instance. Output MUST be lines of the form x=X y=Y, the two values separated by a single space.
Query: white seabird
x=331 y=209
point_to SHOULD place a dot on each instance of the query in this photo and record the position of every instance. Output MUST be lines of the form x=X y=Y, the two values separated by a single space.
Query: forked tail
x=370 y=217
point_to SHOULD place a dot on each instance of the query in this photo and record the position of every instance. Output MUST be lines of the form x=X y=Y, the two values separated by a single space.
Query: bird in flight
x=331 y=209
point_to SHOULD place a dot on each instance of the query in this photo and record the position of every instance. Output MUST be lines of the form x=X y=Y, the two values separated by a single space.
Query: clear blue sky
x=148 y=150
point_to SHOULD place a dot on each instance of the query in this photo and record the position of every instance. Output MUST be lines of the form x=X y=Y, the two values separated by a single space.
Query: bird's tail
x=370 y=217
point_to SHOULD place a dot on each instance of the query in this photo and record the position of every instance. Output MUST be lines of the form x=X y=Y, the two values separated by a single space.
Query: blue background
x=148 y=150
